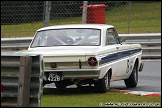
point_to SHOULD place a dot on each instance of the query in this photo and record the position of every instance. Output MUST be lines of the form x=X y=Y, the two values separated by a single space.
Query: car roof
x=97 y=26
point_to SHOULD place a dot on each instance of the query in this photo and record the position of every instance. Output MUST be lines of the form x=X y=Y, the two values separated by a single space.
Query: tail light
x=92 y=61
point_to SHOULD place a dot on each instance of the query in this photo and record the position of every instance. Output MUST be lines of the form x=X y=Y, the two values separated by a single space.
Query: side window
x=111 y=36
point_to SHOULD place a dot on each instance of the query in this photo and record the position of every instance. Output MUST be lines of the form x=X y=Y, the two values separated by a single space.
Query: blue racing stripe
x=119 y=55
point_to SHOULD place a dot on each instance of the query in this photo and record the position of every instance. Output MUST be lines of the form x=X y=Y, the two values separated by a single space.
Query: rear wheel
x=63 y=83
x=133 y=79
x=60 y=85
x=103 y=85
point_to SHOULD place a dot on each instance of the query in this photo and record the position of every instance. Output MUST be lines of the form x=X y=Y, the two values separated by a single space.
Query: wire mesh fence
x=23 y=18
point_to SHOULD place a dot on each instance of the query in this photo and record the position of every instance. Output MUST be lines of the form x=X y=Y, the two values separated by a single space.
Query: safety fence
x=22 y=79
x=150 y=42
x=23 y=18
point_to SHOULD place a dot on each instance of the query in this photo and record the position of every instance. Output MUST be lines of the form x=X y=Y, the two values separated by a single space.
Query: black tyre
x=103 y=85
x=133 y=79
x=63 y=83
x=60 y=84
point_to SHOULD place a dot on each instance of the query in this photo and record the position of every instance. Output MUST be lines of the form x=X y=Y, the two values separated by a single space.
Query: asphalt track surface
x=149 y=79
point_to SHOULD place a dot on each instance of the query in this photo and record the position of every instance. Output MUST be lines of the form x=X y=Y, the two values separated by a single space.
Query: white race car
x=86 y=54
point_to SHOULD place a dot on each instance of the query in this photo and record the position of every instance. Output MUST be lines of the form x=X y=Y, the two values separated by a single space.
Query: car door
x=122 y=53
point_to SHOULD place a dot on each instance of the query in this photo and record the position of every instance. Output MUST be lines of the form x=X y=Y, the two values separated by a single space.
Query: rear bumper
x=76 y=73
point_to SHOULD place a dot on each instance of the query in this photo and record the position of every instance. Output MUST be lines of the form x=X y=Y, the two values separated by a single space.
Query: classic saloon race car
x=86 y=54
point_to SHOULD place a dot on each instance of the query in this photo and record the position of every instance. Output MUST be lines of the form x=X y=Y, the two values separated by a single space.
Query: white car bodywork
x=115 y=61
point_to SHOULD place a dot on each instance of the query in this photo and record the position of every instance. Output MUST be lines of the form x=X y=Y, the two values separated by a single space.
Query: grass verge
x=86 y=97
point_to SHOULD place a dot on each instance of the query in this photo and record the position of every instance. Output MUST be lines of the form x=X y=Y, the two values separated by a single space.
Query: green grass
x=88 y=98
x=26 y=30
x=143 y=18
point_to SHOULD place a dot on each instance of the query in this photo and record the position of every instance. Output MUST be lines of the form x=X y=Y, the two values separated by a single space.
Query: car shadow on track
x=74 y=90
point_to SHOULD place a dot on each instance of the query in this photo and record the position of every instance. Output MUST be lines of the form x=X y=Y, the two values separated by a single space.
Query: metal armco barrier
x=22 y=79
x=150 y=42
x=15 y=43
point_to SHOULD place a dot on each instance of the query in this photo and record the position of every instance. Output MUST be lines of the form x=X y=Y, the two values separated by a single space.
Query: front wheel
x=103 y=85
x=133 y=79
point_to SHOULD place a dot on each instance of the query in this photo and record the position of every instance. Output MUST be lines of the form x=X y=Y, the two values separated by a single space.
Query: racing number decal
x=129 y=66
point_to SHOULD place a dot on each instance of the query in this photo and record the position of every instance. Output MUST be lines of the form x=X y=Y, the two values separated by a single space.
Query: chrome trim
x=77 y=73
x=72 y=70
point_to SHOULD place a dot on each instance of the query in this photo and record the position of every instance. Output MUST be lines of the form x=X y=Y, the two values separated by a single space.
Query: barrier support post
x=24 y=81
